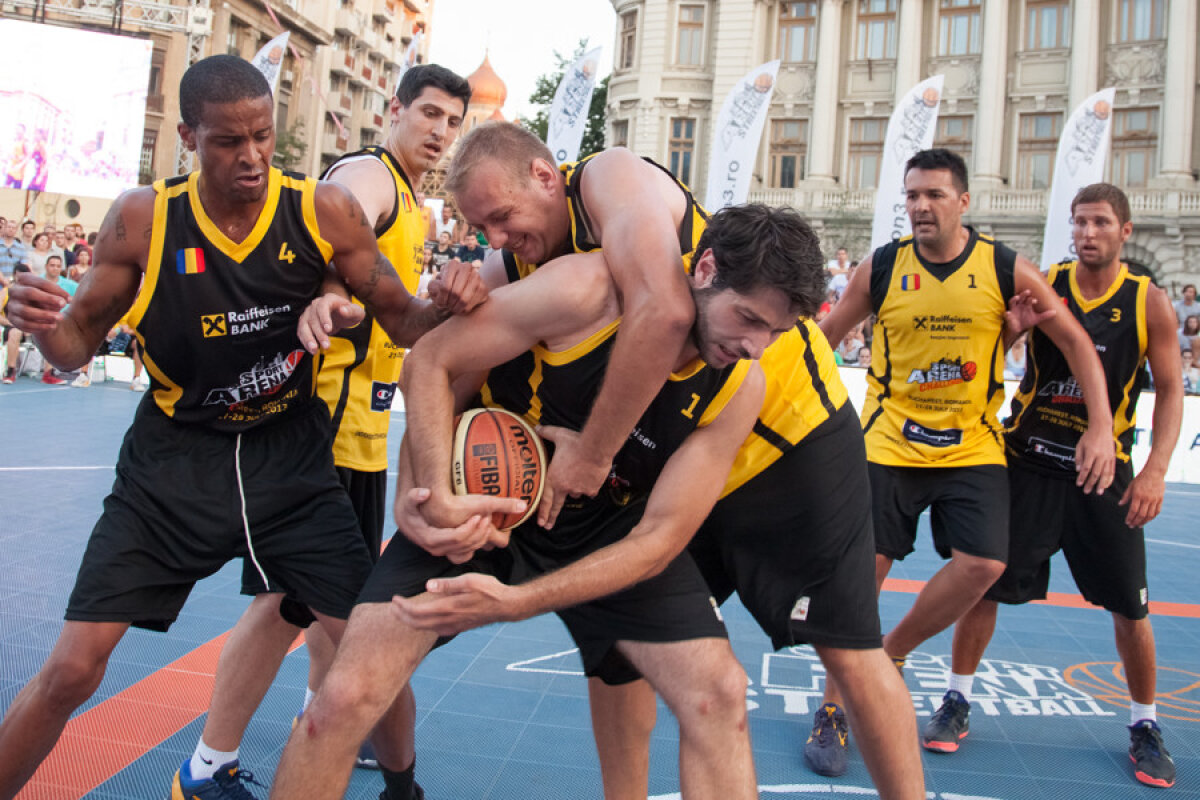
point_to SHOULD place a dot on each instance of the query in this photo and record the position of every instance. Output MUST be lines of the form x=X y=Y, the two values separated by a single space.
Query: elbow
x=672 y=318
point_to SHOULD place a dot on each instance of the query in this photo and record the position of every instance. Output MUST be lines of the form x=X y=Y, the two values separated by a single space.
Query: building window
x=959 y=27
x=955 y=133
x=798 y=31
x=1135 y=146
x=233 y=39
x=1048 y=24
x=628 y=39
x=789 y=142
x=690 y=51
x=1036 y=147
x=620 y=133
x=866 y=151
x=876 y=29
x=146 y=161
x=1139 y=20
x=681 y=147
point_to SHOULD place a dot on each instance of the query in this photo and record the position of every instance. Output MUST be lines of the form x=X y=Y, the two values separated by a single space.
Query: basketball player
x=356 y=379
x=229 y=455
x=1131 y=321
x=547 y=340
x=934 y=387
x=800 y=520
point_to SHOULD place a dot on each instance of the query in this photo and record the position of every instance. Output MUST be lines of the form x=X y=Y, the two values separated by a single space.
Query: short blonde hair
x=512 y=146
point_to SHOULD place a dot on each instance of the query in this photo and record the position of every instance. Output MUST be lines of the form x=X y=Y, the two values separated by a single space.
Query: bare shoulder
x=337 y=209
x=368 y=168
x=124 y=235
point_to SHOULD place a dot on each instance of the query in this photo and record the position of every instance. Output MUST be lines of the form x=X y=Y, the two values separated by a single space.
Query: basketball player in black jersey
x=229 y=453
x=1131 y=322
x=756 y=270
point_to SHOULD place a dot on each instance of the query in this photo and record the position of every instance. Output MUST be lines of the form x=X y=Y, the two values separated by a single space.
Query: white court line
x=52 y=469
x=1177 y=544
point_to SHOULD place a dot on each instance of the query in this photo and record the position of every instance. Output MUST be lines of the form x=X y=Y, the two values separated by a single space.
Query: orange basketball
x=968 y=371
x=496 y=453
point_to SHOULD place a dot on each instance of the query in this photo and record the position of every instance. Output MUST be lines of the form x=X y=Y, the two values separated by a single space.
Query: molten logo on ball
x=496 y=453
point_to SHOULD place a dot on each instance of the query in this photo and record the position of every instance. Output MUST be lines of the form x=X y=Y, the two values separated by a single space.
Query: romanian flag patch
x=408 y=205
x=189 y=261
x=910 y=283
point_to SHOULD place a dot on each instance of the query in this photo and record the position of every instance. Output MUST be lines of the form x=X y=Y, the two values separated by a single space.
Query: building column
x=1180 y=91
x=823 y=125
x=1085 y=52
x=993 y=93
x=908 y=48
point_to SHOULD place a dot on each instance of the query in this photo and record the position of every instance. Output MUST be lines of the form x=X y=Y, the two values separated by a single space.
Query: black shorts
x=795 y=542
x=968 y=505
x=175 y=516
x=1107 y=558
x=673 y=606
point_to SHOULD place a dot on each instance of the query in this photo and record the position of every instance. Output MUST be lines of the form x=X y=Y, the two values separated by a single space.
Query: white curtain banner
x=269 y=59
x=909 y=130
x=737 y=136
x=1082 y=152
x=569 y=111
x=410 y=55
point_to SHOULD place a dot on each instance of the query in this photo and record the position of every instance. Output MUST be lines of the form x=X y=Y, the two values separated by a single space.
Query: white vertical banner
x=736 y=137
x=269 y=59
x=569 y=111
x=410 y=54
x=1082 y=153
x=909 y=131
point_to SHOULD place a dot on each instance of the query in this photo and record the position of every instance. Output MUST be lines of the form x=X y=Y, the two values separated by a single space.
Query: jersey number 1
x=687 y=412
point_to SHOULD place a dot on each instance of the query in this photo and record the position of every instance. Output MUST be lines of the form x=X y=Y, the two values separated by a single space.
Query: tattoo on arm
x=367 y=290
x=112 y=219
x=120 y=228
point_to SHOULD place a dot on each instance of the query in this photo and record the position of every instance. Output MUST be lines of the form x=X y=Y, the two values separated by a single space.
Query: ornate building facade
x=1014 y=70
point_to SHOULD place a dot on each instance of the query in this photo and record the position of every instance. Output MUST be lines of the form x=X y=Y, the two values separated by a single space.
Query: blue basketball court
x=502 y=712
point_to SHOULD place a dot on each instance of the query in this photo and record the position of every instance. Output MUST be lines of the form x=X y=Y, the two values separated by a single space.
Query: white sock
x=206 y=761
x=962 y=684
x=1139 y=712
x=309 y=694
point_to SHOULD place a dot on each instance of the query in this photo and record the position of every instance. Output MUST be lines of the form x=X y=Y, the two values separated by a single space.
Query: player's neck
x=233 y=219
x=1094 y=281
x=947 y=251
x=415 y=176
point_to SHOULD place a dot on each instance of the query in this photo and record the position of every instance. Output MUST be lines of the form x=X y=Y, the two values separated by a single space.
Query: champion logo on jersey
x=189 y=261
x=910 y=283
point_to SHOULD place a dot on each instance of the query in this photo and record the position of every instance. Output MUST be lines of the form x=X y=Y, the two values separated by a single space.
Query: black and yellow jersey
x=216 y=319
x=1048 y=412
x=803 y=386
x=938 y=335
x=558 y=388
x=357 y=376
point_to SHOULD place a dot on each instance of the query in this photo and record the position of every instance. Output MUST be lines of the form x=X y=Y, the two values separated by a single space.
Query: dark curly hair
x=756 y=245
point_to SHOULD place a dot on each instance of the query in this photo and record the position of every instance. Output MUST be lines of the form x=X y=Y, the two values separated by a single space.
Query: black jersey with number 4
x=1048 y=412
x=217 y=318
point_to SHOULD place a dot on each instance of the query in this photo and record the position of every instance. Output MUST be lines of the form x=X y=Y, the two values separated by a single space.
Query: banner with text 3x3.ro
x=909 y=131
x=736 y=137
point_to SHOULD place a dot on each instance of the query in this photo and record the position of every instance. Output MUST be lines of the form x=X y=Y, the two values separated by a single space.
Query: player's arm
x=639 y=237
x=557 y=300
x=683 y=496
x=853 y=306
x=68 y=339
x=1145 y=493
x=371 y=277
x=1095 y=455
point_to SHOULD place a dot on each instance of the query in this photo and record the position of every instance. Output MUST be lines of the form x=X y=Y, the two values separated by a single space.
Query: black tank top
x=217 y=319
x=1048 y=412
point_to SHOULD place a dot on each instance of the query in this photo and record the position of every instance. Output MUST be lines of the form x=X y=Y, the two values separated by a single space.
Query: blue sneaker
x=949 y=724
x=1152 y=764
x=825 y=750
x=228 y=783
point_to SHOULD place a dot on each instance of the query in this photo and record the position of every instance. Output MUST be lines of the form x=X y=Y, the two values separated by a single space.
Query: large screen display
x=72 y=108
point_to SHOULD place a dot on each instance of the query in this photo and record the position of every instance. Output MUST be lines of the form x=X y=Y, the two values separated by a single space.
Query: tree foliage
x=543 y=96
x=290 y=146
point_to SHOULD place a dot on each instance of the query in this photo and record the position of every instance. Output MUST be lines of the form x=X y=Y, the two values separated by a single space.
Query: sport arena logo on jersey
x=264 y=378
x=1064 y=391
x=941 y=374
x=236 y=323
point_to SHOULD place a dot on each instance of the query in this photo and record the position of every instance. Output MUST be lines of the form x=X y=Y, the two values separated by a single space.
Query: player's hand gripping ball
x=496 y=453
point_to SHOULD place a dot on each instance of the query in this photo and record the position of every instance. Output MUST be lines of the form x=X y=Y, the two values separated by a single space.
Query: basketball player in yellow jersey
x=1132 y=323
x=935 y=385
x=791 y=534
x=237 y=236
